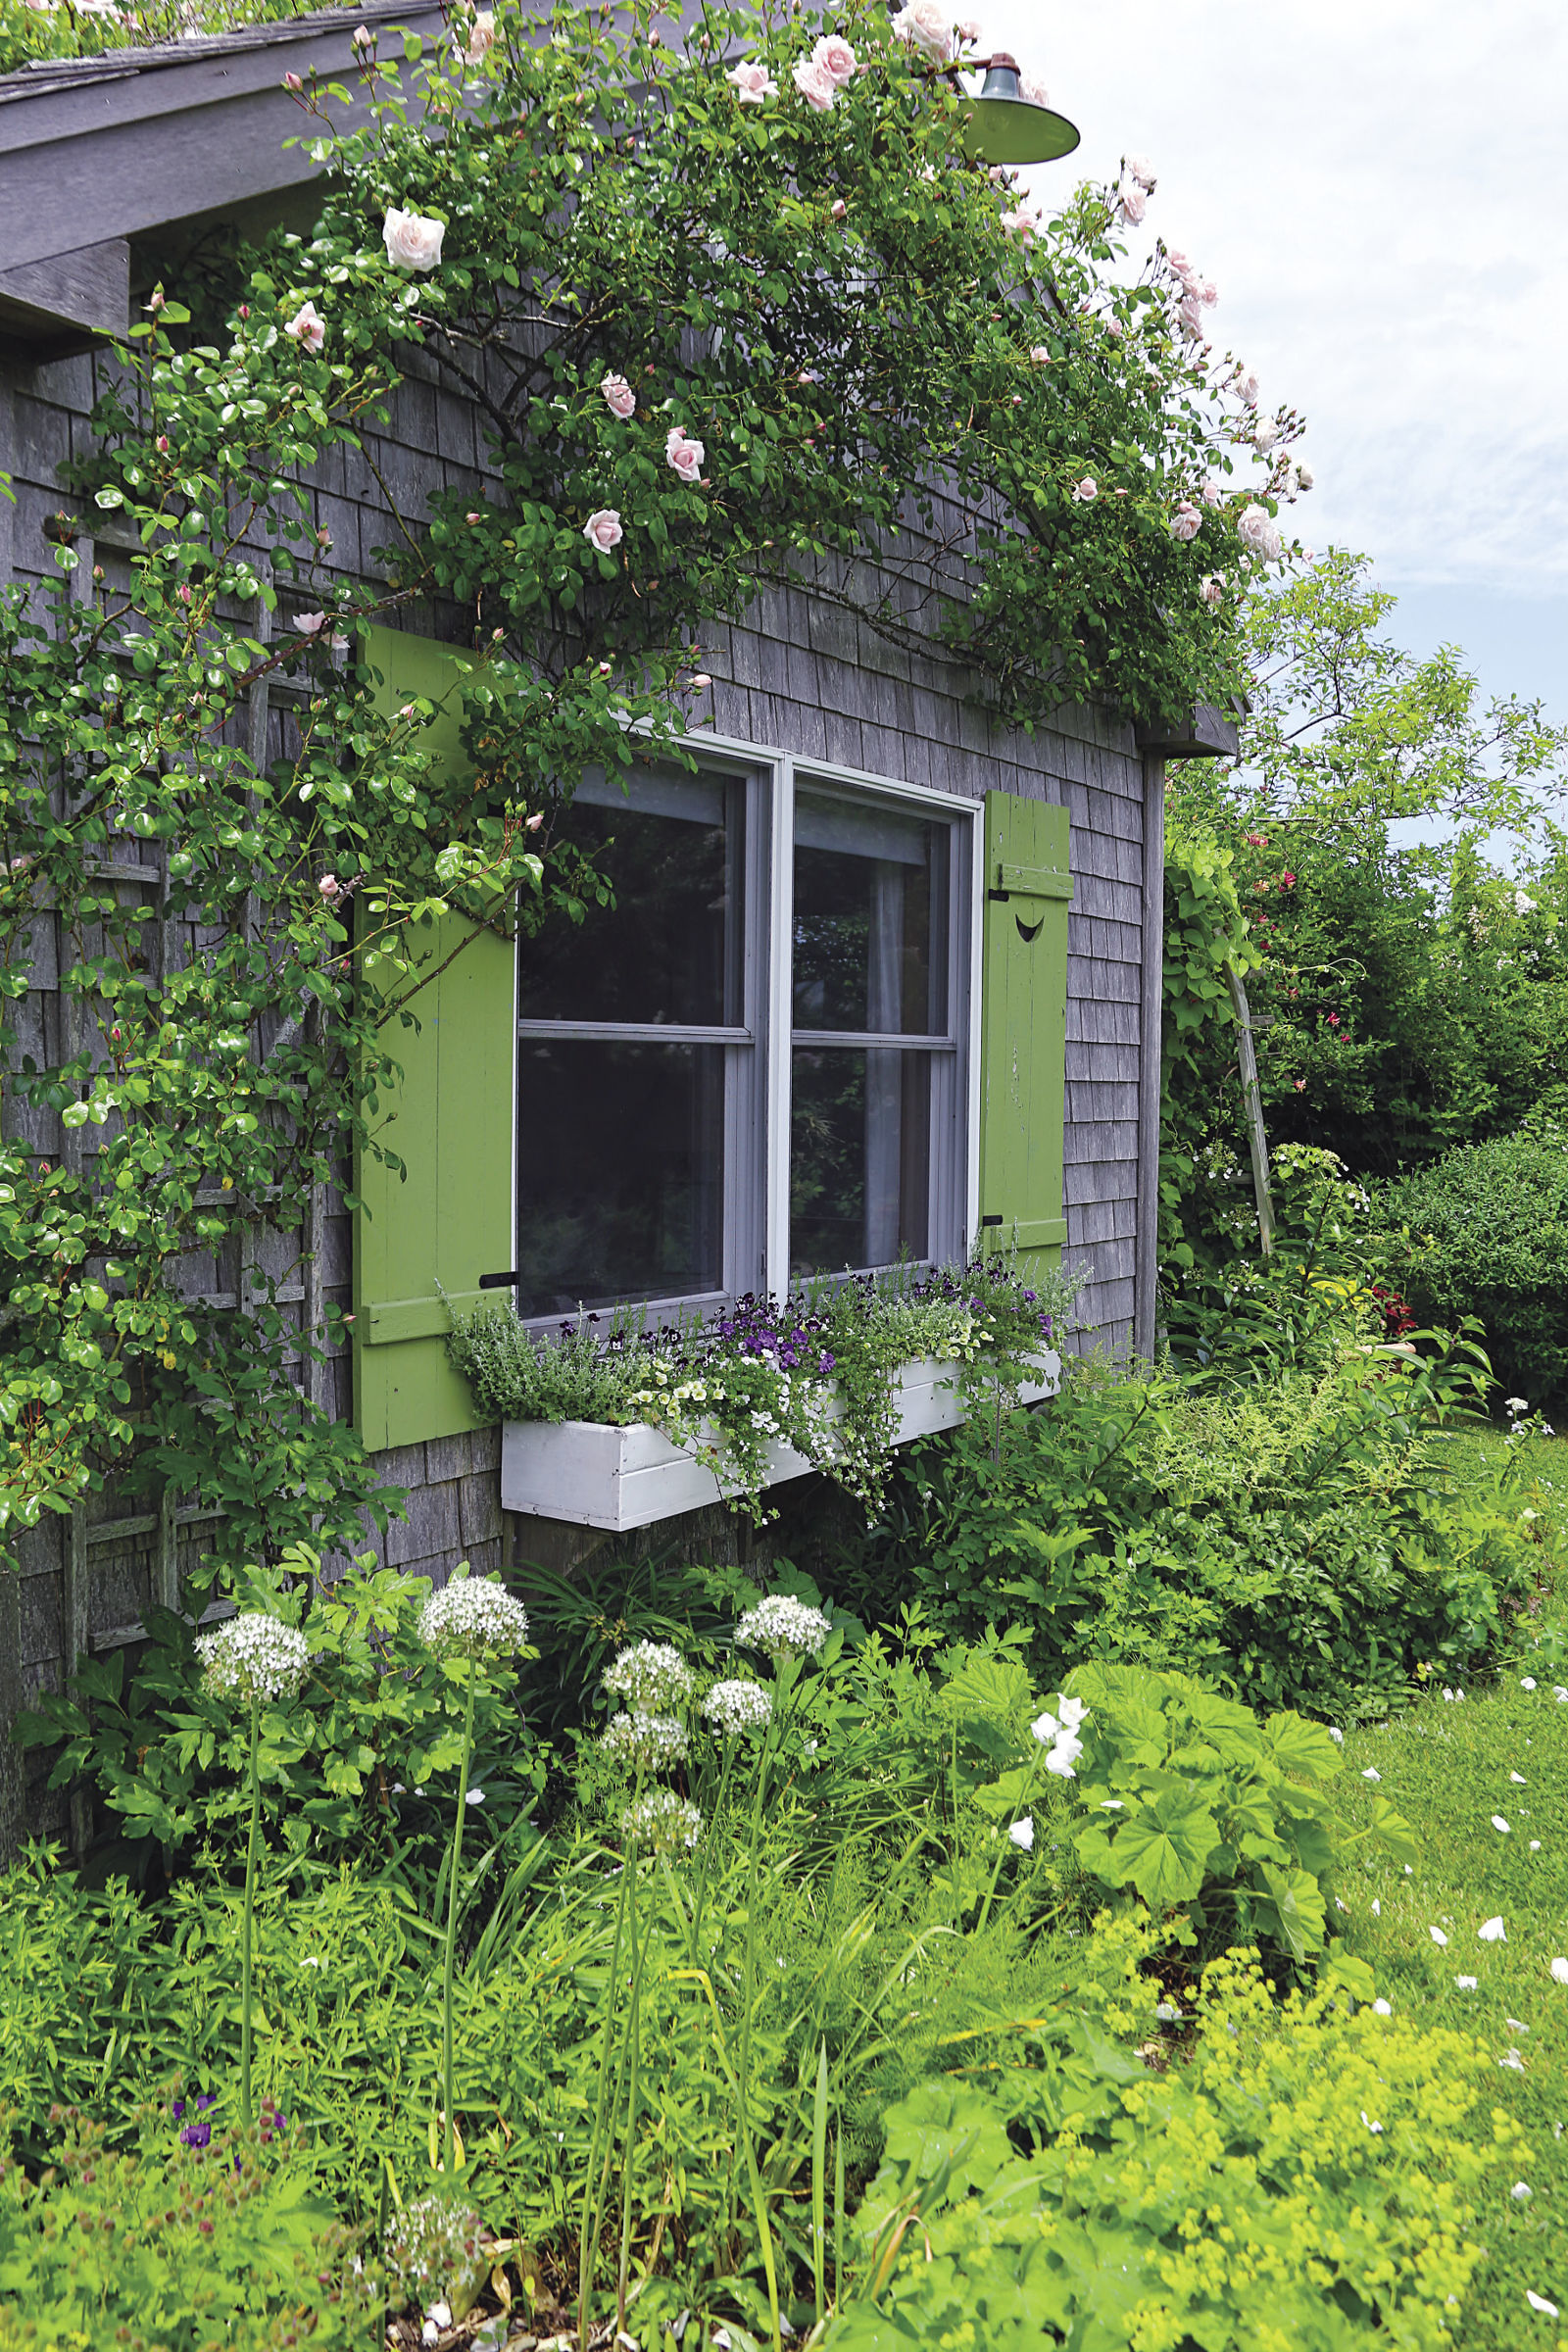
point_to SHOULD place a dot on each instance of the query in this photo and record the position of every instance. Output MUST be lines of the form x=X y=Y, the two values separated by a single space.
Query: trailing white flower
x=783 y=1627
x=662 y=1822
x=737 y=1706
x=253 y=1657
x=650 y=1740
x=473 y=1617
x=652 y=1675
x=1058 y=1732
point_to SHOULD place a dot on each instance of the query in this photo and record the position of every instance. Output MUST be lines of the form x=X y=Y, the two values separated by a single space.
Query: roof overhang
x=1207 y=733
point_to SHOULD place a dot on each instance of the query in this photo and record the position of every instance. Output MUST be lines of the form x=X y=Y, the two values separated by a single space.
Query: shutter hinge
x=500 y=1281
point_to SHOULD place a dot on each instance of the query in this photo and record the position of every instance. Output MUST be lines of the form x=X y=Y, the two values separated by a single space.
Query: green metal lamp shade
x=1006 y=127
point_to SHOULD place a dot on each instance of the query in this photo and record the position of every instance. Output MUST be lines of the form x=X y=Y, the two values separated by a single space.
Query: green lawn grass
x=1448 y=1767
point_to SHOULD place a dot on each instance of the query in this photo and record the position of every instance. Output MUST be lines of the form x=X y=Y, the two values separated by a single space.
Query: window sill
x=596 y=1474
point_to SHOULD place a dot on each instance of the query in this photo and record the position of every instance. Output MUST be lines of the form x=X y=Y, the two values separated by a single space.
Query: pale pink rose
x=1086 y=490
x=926 y=26
x=702 y=681
x=328 y=886
x=685 y=456
x=1209 y=293
x=1132 y=204
x=294 y=82
x=1041 y=356
x=1190 y=316
x=836 y=58
x=838 y=207
x=967 y=30
x=619 y=398
x=1212 y=493
x=412 y=241
x=1257 y=530
x=751 y=82
x=1139 y=168
x=1211 y=589
x=816 y=86
x=1265 y=434
x=1033 y=89
x=1022 y=224
x=315 y=626
x=602 y=530
x=308 y=327
x=362 y=38
x=1187 y=522
x=482 y=38
x=1245 y=387
x=1304 y=477
x=1179 y=262
x=1113 y=327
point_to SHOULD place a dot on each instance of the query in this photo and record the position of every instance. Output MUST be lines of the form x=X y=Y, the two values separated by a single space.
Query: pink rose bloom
x=1266 y=434
x=1187 y=522
x=1139 y=168
x=482 y=38
x=1040 y=354
x=619 y=398
x=1021 y=223
x=686 y=457
x=1112 y=326
x=836 y=59
x=838 y=207
x=1304 y=478
x=1259 y=532
x=412 y=241
x=329 y=887
x=967 y=30
x=1082 y=492
x=926 y=26
x=816 y=86
x=1246 y=388
x=1212 y=493
x=1211 y=589
x=308 y=327
x=363 y=38
x=751 y=82
x=1189 y=315
x=315 y=624
x=1133 y=204
x=602 y=530
x=1209 y=293
x=1032 y=90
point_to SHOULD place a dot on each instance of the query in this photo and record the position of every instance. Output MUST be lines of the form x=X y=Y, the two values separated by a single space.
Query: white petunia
x=473 y=1617
x=253 y=1658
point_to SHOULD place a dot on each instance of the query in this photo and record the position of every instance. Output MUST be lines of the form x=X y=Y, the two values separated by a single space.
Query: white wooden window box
x=597 y=1474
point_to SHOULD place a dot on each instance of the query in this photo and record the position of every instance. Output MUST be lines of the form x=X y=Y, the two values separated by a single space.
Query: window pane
x=870 y=918
x=669 y=950
x=859 y=1157
x=621 y=1170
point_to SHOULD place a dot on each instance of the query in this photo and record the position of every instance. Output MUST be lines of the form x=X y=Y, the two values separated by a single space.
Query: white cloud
x=1377 y=188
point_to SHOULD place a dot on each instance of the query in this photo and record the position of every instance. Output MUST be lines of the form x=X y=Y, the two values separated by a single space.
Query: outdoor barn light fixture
x=1007 y=127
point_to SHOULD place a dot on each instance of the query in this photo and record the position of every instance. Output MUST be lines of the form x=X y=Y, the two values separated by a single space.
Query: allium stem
x=709 y=1842
x=452 y=1927
x=588 y=2235
x=245 y=1944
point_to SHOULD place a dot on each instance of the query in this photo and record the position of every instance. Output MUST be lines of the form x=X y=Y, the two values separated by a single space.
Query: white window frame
x=758 y=1100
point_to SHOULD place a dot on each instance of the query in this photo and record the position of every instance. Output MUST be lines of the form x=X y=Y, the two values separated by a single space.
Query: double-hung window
x=750 y=1064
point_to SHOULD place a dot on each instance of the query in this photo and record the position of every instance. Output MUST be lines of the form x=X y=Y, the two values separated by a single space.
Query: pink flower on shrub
x=684 y=454
x=1139 y=168
x=1022 y=224
x=1211 y=589
x=603 y=529
x=751 y=82
x=926 y=26
x=1132 y=204
x=836 y=59
x=308 y=327
x=1086 y=490
x=1033 y=89
x=619 y=398
x=815 y=84
x=1187 y=522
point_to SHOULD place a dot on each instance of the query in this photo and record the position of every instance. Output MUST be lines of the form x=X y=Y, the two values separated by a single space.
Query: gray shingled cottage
x=110 y=170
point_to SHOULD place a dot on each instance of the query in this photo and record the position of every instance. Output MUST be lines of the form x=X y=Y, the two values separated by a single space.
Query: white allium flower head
x=738 y=1706
x=663 y=1820
x=253 y=1657
x=784 y=1627
x=652 y=1675
x=473 y=1617
x=650 y=1740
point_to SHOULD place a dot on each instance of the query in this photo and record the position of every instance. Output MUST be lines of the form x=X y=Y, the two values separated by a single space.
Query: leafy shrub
x=173 y=2243
x=1298 y=1534
x=1310 y=2178
x=1484 y=1233
x=361 y=1764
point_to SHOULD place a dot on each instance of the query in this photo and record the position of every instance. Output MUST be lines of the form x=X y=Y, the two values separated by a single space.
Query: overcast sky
x=1379 y=190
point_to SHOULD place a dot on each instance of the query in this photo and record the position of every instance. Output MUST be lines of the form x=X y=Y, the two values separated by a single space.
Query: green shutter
x=1023 y=1027
x=449 y=1120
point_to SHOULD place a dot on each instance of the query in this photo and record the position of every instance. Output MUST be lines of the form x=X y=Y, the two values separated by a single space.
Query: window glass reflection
x=870 y=919
x=859 y=1157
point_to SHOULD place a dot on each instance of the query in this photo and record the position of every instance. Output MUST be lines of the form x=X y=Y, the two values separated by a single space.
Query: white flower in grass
x=1336 y=1736
x=1045 y=1729
x=433 y=2252
x=253 y=1657
x=1064 y=1756
x=1491 y=1931
x=1547 y=2311
x=738 y=1706
x=650 y=1740
x=1512 y=2061
x=662 y=1822
x=784 y=1628
x=1370 y=2125
x=1527 y=1681
x=1382 y=2009
x=1518 y=1778
x=1371 y=1772
x=652 y=1675
x=1467 y=1983
x=473 y=1617
x=1437 y=1935
x=1559 y=1971
x=1022 y=1834
x=1499 y=1824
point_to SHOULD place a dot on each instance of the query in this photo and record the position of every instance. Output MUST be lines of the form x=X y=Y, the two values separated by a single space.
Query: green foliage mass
x=1484 y=1230
x=829 y=302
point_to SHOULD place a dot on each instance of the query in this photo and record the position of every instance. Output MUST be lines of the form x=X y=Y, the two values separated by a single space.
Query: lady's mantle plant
x=730 y=313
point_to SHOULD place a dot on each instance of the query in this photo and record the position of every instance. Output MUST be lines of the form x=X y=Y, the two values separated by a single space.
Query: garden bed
x=597 y=1474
